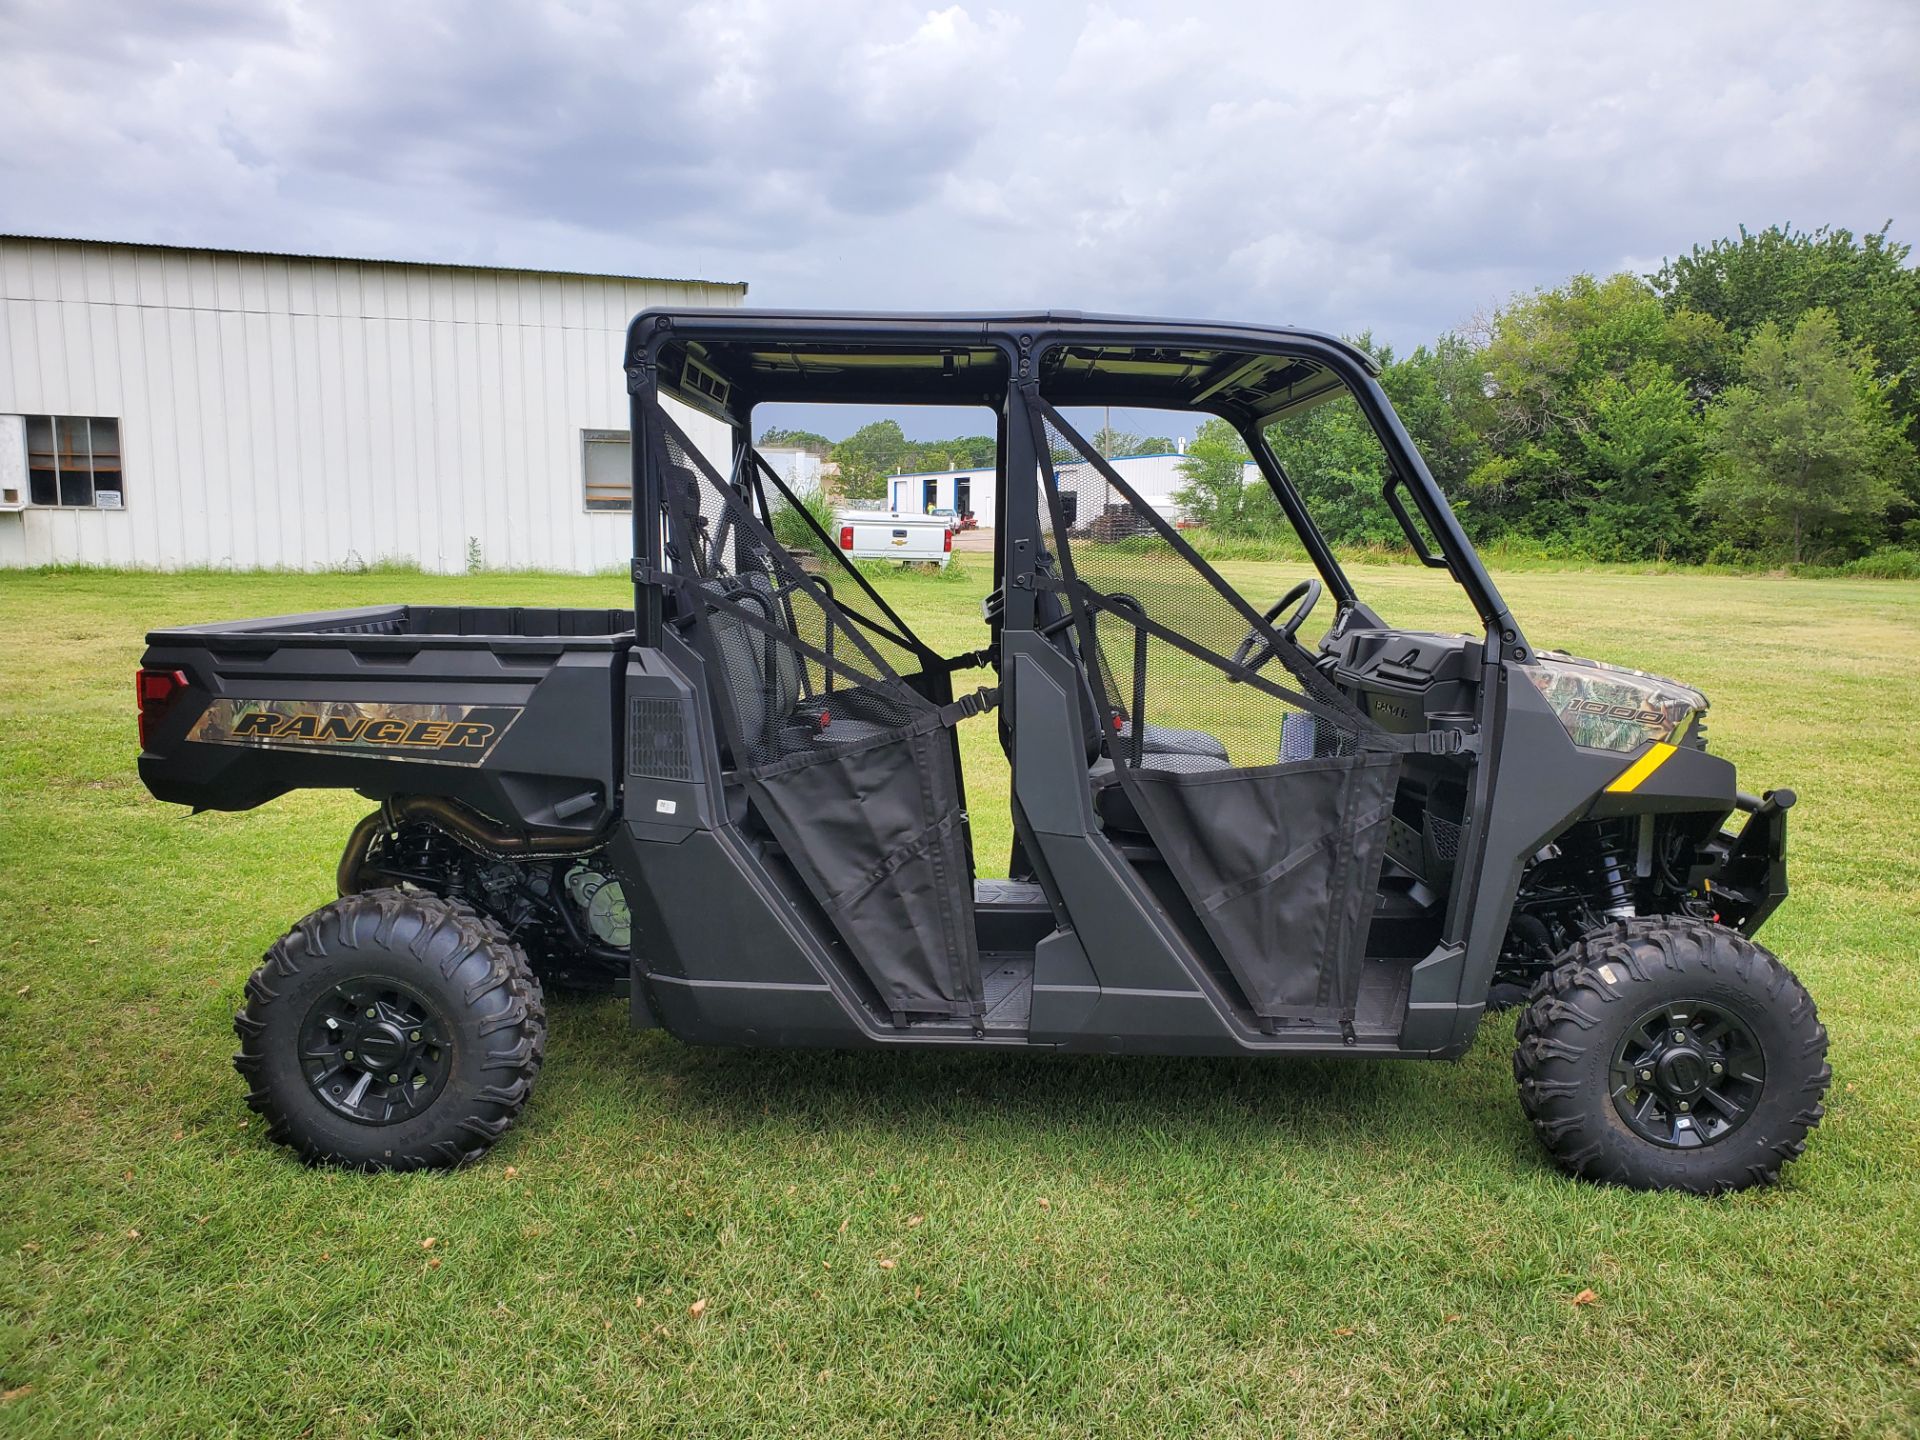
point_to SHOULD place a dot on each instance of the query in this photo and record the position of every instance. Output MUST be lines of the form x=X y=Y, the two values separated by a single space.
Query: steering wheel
x=1254 y=651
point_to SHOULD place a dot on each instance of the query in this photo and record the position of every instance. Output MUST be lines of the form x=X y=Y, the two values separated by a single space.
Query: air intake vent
x=657 y=740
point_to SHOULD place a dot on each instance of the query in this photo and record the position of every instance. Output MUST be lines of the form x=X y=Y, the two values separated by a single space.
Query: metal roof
x=740 y=285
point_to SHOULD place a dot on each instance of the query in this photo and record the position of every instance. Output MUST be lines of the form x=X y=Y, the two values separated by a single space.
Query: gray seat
x=1115 y=807
x=1167 y=740
x=762 y=683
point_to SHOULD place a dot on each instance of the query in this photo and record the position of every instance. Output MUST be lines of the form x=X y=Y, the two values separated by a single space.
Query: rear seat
x=769 y=712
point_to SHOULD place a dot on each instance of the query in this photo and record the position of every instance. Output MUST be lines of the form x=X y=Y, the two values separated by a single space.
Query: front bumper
x=1745 y=875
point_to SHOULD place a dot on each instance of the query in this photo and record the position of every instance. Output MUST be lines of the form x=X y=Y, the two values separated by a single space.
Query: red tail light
x=156 y=690
x=946 y=537
x=846 y=537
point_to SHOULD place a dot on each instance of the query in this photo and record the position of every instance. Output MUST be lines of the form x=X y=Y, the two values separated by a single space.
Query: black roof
x=732 y=359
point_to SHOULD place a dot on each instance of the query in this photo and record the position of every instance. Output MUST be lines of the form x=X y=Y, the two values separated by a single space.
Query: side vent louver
x=657 y=740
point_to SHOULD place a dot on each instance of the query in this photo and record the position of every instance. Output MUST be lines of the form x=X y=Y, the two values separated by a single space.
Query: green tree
x=1110 y=443
x=1592 y=432
x=1338 y=468
x=1440 y=395
x=1805 y=445
x=867 y=457
x=964 y=452
x=1216 y=492
x=1778 y=274
x=798 y=439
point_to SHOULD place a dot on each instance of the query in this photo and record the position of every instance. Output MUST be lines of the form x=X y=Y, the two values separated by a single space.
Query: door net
x=843 y=759
x=1266 y=792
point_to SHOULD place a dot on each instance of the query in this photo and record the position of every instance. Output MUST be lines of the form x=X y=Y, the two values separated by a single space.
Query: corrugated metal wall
x=281 y=411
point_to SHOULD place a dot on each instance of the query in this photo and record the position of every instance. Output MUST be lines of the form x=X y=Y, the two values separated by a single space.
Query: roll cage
x=726 y=362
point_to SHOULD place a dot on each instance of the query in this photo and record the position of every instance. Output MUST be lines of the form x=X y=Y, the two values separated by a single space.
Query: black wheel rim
x=375 y=1050
x=1687 y=1075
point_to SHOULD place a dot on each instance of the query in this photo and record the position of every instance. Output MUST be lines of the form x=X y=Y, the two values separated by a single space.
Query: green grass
x=1107 y=1246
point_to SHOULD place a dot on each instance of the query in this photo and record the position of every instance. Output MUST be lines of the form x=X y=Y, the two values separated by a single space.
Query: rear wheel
x=1671 y=1053
x=391 y=1031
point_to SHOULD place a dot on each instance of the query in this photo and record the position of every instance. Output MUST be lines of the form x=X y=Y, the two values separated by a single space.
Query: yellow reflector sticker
x=1629 y=780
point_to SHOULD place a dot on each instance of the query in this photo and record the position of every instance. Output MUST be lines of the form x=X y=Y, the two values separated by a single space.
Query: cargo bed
x=509 y=709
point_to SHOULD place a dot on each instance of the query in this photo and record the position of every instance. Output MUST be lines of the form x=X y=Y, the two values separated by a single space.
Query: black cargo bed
x=509 y=709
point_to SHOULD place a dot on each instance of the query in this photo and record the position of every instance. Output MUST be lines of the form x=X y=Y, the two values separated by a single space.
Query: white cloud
x=1398 y=166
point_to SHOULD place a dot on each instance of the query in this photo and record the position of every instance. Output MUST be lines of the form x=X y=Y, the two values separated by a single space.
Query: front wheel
x=391 y=1030
x=1671 y=1054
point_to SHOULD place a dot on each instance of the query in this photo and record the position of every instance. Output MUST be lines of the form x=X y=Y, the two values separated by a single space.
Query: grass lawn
x=1079 y=1246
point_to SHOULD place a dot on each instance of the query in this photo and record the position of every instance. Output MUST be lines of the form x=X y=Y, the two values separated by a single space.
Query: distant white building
x=173 y=407
x=922 y=492
x=801 y=469
x=1157 y=478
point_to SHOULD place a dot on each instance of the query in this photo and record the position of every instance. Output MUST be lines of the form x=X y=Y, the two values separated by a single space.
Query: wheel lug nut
x=416 y=1036
x=1646 y=1074
x=1685 y=1107
x=393 y=1079
x=349 y=1054
x=1679 y=1036
x=1716 y=1067
x=371 y=1013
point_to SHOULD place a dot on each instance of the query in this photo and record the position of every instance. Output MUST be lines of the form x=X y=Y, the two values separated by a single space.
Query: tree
x=1109 y=443
x=797 y=439
x=867 y=457
x=1804 y=446
x=1337 y=463
x=1592 y=434
x=964 y=452
x=1778 y=274
x=1216 y=492
x=1338 y=468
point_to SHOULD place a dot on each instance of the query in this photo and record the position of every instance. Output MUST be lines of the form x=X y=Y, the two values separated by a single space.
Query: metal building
x=169 y=407
x=1157 y=477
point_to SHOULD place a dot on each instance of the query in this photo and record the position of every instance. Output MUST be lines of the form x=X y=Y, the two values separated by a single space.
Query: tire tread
x=441 y=933
x=1568 y=1004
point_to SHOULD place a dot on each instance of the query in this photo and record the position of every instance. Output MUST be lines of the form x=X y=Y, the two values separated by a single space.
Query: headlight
x=1605 y=707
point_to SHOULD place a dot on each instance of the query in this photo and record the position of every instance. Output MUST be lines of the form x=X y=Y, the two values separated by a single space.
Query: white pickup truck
x=887 y=535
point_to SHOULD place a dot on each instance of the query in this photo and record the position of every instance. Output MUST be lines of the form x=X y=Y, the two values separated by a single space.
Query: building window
x=74 y=461
x=607 y=465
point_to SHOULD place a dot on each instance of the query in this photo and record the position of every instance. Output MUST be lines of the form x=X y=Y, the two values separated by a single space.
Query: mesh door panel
x=1266 y=794
x=788 y=654
x=840 y=756
x=1127 y=571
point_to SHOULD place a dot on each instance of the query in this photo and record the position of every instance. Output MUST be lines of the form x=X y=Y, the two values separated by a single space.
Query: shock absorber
x=1610 y=878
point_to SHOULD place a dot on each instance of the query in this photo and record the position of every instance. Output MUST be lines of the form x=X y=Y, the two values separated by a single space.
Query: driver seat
x=1162 y=747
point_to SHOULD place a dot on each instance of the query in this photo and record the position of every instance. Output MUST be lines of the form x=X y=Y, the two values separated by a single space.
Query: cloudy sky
x=1399 y=167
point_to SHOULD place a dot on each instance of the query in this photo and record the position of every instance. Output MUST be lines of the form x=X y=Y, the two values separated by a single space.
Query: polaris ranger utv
x=741 y=801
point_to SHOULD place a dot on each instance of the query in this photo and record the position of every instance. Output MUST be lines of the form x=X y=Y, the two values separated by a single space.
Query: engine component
x=604 y=903
x=568 y=914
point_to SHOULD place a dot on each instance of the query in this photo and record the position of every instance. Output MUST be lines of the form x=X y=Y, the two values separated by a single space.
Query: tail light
x=846 y=537
x=156 y=690
x=946 y=538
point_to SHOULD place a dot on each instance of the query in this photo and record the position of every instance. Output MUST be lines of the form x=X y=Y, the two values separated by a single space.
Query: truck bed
x=509 y=709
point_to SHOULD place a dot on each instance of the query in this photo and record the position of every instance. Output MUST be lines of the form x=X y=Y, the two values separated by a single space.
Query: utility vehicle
x=741 y=803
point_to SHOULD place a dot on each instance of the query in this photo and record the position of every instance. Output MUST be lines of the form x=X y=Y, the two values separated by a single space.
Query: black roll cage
x=985 y=360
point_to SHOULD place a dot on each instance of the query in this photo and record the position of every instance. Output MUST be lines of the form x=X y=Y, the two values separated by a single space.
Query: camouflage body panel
x=431 y=733
x=1607 y=707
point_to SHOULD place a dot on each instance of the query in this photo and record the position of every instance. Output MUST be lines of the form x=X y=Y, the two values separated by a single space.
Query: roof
x=876 y=324
x=727 y=361
x=740 y=285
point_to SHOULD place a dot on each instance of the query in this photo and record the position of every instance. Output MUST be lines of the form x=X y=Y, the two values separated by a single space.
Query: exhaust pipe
x=482 y=836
